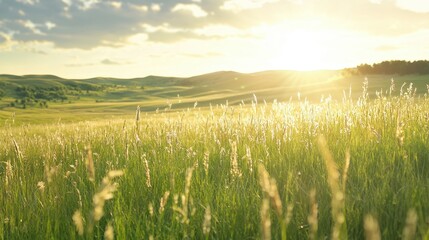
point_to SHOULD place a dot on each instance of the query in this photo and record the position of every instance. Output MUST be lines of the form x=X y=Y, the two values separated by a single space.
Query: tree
x=399 y=67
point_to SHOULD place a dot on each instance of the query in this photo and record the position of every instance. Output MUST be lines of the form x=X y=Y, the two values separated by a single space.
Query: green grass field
x=209 y=161
x=351 y=168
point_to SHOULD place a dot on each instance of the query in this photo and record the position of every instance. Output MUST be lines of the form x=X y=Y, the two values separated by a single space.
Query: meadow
x=347 y=168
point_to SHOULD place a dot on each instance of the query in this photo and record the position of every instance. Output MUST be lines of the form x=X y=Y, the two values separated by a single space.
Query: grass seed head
x=312 y=218
x=163 y=201
x=207 y=221
x=109 y=233
x=78 y=222
x=372 y=230
x=265 y=219
x=409 y=231
x=90 y=164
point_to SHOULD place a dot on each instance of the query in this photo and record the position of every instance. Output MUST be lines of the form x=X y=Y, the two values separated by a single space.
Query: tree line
x=394 y=67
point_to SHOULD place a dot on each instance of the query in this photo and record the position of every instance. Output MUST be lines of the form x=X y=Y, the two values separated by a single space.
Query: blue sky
x=134 y=38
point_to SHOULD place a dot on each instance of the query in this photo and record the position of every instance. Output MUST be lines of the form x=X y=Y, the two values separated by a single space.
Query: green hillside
x=52 y=97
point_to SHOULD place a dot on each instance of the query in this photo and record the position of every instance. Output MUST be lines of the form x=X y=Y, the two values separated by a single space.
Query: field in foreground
x=350 y=169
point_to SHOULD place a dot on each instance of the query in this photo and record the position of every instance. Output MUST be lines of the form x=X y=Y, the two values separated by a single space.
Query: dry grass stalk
x=108 y=233
x=90 y=164
x=249 y=158
x=78 y=222
x=108 y=187
x=189 y=172
x=346 y=170
x=138 y=114
x=146 y=164
x=266 y=219
x=235 y=171
x=372 y=230
x=269 y=187
x=41 y=186
x=206 y=162
x=289 y=213
x=409 y=231
x=163 y=201
x=312 y=218
x=150 y=209
x=9 y=173
x=207 y=221
x=17 y=150
x=400 y=131
x=50 y=172
x=186 y=209
x=339 y=230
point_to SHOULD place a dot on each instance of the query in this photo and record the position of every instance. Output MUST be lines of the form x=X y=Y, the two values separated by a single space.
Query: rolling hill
x=47 y=94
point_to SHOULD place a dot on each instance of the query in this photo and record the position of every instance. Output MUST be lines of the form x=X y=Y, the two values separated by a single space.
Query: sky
x=137 y=38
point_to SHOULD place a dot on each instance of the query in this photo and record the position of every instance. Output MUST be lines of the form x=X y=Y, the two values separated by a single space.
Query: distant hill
x=41 y=90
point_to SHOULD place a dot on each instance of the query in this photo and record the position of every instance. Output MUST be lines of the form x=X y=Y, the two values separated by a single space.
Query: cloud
x=168 y=34
x=87 y=4
x=194 y=9
x=50 y=25
x=109 y=62
x=382 y=19
x=421 y=6
x=3 y=39
x=240 y=5
x=88 y=24
x=105 y=61
x=155 y=7
x=29 y=2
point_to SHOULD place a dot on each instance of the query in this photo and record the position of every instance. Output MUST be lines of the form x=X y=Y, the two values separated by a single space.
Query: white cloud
x=28 y=2
x=194 y=9
x=5 y=42
x=32 y=26
x=155 y=7
x=143 y=8
x=137 y=39
x=240 y=5
x=219 y=31
x=88 y=4
x=67 y=4
x=50 y=25
x=160 y=28
x=414 y=5
x=116 y=5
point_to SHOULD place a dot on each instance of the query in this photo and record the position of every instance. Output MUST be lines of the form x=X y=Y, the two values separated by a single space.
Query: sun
x=300 y=49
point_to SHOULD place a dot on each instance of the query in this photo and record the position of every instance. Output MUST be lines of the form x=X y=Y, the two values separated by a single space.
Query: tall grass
x=191 y=174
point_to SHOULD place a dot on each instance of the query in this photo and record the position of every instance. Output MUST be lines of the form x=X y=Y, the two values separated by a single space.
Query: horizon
x=127 y=39
x=171 y=76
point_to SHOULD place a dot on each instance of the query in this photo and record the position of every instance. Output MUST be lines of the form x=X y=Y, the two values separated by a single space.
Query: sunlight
x=302 y=49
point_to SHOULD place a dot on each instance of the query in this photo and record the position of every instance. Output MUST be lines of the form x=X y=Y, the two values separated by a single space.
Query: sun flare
x=301 y=49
